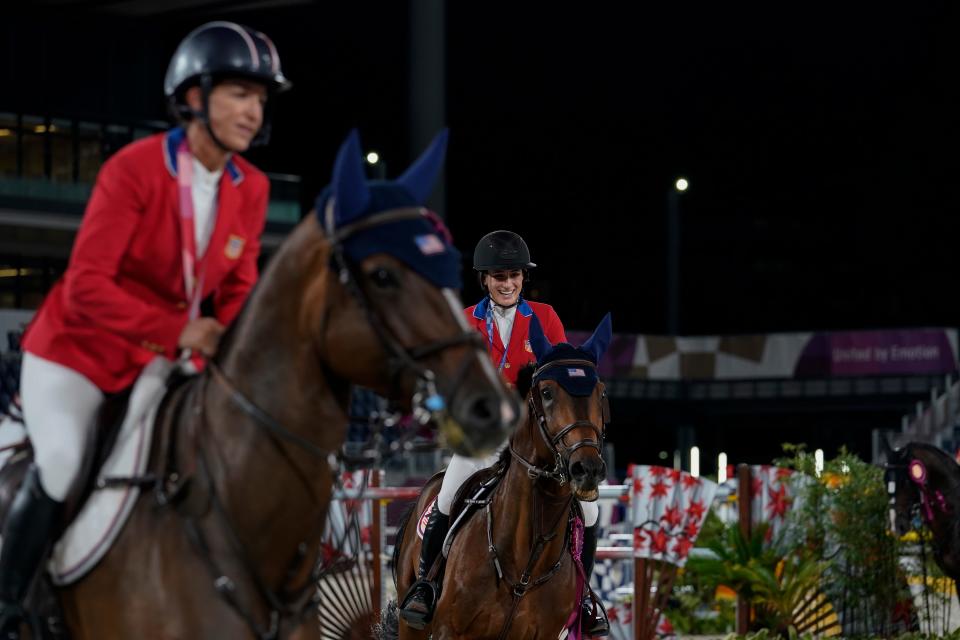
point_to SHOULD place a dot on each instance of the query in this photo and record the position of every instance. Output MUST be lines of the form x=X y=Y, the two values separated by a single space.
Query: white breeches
x=461 y=468
x=59 y=408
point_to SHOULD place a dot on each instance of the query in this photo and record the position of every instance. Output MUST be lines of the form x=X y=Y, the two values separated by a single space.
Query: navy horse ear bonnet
x=422 y=243
x=576 y=379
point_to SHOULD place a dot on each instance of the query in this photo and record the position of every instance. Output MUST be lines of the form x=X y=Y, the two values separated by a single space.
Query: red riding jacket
x=122 y=299
x=519 y=352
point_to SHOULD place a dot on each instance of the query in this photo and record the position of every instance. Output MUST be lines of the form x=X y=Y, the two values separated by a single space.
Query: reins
x=293 y=601
x=557 y=473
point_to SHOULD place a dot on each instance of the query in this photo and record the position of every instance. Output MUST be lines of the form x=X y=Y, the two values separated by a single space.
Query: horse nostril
x=578 y=471
x=482 y=410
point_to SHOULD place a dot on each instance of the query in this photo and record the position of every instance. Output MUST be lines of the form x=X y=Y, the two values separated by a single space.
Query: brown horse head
x=569 y=409
x=379 y=305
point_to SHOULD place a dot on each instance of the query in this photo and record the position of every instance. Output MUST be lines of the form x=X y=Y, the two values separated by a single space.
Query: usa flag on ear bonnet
x=577 y=380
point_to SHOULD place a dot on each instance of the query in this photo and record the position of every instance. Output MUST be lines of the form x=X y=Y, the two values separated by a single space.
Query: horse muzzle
x=480 y=423
x=586 y=473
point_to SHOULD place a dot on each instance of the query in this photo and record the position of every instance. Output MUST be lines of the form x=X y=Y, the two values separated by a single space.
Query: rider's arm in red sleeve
x=90 y=284
x=236 y=286
x=552 y=327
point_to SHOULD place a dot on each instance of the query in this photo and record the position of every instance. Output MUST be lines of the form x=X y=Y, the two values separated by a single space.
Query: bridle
x=427 y=404
x=558 y=472
x=915 y=472
x=555 y=442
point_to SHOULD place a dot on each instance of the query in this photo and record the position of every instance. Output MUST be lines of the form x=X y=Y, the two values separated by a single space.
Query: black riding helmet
x=217 y=51
x=501 y=250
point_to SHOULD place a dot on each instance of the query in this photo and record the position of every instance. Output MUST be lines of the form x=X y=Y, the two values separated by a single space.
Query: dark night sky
x=819 y=141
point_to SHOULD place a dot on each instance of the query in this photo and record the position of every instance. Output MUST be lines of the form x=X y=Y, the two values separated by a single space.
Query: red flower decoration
x=756 y=486
x=682 y=547
x=784 y=473
x=638 y=539
x=779 y=502
x=658 y=489
x=658 y=542
x=656 y=472
x=692 y=529
x=672 y=517
x=689 y=482
x=696 y=510
x=637 y=485
x=674 y=474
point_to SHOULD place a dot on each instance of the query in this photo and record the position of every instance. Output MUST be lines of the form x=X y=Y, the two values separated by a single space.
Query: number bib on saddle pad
x=90 y=535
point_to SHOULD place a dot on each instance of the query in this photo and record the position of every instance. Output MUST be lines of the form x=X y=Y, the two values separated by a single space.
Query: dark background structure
x=819 y=139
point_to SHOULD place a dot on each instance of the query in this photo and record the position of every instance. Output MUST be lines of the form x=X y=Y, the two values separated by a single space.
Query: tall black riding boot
x=592 y=625
x=26 y=537
x=417 y=608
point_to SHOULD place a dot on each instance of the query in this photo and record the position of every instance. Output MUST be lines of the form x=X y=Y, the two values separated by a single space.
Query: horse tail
x=389 y=626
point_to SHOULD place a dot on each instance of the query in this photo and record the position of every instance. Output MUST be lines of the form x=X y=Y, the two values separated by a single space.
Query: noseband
x=555 y=443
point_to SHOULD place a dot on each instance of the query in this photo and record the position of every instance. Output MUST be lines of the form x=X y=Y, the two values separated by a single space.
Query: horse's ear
x=597 y=344
x=419 y=179
x=538 y=340
x=350 y=192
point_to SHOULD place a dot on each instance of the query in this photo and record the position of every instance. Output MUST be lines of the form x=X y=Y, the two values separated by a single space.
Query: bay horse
x=510 y=571
x=363 y=291
x=924 y=482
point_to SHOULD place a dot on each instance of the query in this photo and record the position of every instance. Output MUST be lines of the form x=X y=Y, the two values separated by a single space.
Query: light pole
x=678 y=188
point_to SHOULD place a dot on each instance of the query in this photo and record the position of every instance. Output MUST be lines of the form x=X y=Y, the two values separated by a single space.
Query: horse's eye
x=383 y=278
x=547 y=394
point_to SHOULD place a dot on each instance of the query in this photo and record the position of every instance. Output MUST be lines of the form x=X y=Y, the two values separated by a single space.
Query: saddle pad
x=101 y=519
x=422 y=521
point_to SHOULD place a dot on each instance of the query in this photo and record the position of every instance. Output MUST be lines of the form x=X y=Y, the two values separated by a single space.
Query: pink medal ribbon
x=192 y=268
x=576 y=550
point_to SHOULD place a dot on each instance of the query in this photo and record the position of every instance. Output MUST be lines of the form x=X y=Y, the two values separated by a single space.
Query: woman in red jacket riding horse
x=501 y=260
x=174 y=219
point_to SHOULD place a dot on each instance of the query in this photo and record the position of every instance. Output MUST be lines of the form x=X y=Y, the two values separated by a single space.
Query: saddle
x=473 y=495
x=101 y=443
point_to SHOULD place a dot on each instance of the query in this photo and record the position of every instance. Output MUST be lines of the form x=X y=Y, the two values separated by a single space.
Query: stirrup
x=415 y=617
x=595 y=622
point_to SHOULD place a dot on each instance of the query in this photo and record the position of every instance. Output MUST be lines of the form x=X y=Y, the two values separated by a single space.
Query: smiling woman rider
x=502 y=262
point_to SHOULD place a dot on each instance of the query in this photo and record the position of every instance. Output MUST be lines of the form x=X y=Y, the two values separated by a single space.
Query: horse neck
x=524 y=501
x=268 y=484
x=272 y=357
